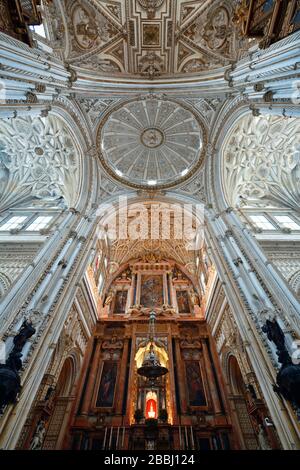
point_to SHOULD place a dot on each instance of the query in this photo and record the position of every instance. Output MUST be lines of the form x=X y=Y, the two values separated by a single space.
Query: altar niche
x=157 y=284
x=186 y=409
x=119 y=409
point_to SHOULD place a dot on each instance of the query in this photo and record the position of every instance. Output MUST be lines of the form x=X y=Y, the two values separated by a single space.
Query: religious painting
x=106 y=392
x=120 y=302
x=196 y=394
x=183 y=301
x=152 y=293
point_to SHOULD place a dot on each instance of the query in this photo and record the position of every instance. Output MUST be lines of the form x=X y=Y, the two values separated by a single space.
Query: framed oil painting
x=196 y=393
x=120 y=302
x=106 y=392
x=152 y=292
x=183 y=301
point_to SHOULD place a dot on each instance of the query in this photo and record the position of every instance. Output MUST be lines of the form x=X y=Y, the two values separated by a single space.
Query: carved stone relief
x=140 y=37
x=287 y=261
x=38 y=161
x=14 y=258
x=261 y=162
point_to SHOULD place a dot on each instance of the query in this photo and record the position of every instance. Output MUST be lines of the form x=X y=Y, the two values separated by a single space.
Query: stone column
x=171 y=376
x=172 y=295
x=131 y=300
x=138 y=288
x=122 y=377
x=270 y=72
x=255 y=292
x=165 y=288
x=181 y=378
x=130 y=404
x=211 y=379
x=50 y=298
x=91 y=380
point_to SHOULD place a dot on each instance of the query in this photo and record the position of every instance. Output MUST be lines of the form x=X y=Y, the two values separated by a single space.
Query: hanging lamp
x=151 y=367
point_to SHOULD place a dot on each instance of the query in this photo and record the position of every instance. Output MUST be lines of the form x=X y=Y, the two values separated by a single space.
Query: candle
x=123 y=437
x=104 y=440
x=192 y=438
x=118 y=432
x=180 y=438
x=186 y=437
x=110 y=438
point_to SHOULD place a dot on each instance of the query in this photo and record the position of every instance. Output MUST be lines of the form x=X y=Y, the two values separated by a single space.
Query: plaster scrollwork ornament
x=218 y=29
x=5 y=283
x=89 y=27
x=33 y=317
x=151 y=6
x=262 y=162
x=113 y=344
x=38 y=162
x=151 y=65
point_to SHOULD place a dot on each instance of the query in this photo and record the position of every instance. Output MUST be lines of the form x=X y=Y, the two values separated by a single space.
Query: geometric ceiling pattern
x=148 y=38
x=151 y=142
x=262 y=162
x=38 y=162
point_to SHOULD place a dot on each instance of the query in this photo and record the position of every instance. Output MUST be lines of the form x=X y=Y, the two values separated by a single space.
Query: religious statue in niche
x=151 y=291
x=195 y=386
x=183 y=301
x=107 y=386
x=109 y=298
x=120 y=301
x=39 y=436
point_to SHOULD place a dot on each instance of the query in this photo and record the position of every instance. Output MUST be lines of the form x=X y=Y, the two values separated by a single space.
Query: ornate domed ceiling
x=147 y=38
x=151 y=142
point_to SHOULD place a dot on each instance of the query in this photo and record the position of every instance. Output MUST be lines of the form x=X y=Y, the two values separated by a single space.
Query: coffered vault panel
x=151 y=142
x=149 y=39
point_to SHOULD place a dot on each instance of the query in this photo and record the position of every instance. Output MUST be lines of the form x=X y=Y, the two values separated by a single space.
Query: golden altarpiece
x=117 y=408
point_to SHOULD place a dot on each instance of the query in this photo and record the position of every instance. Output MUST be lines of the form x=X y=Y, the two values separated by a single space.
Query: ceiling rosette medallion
x=152 y=142
x=151 y=6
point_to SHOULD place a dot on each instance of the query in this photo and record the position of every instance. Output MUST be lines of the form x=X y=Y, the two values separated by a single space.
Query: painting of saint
x=107 y=386
x=120 y=302
x=183 y=301
x=152 y=291
x=196 y=392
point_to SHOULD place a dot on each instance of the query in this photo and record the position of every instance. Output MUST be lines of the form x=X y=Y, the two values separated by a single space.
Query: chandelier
x=151 y=367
